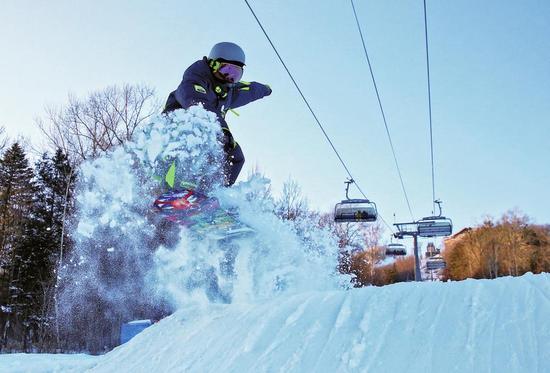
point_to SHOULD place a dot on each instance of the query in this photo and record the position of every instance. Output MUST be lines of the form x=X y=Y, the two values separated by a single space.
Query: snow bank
x=498 y=325
x=27 y=363
x=471 y=326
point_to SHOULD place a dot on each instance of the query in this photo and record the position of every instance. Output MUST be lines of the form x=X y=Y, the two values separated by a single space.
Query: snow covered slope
x=501 y=325
x=498 y=325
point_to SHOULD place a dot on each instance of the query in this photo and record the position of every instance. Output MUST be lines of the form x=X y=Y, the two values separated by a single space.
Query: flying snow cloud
x=128 y=262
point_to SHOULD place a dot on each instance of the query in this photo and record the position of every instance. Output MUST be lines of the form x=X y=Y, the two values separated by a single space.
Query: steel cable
x=309 y=106
x=382 y=111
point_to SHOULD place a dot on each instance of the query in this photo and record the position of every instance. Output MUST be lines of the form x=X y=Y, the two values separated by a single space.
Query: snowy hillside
x=498 y=325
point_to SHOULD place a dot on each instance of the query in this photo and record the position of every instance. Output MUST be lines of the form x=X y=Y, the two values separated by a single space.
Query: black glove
x=229 y=142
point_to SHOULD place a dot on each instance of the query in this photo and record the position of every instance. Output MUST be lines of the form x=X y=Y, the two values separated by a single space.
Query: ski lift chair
x=355 y=210
x=435 y=264
x=396 y=249
x=435 y=226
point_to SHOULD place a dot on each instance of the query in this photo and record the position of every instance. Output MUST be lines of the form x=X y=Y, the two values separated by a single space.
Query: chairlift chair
x=435 y=264
x=396 y=249
x=435 y=226
x=354 y=210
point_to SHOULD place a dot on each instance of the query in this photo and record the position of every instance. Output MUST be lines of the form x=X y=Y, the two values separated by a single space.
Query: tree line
x=37 y=205
x=509 y=246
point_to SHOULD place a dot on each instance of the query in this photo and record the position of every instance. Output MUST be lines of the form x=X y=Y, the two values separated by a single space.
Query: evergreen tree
x=16 y=195
x=32 y=212
x=39 y=250
x=16 y=191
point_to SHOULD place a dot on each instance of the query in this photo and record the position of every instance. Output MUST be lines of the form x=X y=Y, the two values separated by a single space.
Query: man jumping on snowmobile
x=215 y=82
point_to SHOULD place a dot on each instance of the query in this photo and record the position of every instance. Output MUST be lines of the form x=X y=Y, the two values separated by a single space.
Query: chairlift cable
x=386 y=223
x=303 y=97
x=309 y=106
x=429 y=103
x=382 y=111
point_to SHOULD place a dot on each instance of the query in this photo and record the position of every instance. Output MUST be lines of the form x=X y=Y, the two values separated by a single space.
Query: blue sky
x=490 y=70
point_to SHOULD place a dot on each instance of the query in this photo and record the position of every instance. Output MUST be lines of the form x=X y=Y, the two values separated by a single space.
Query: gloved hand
x=229 y=142
x=268 y=89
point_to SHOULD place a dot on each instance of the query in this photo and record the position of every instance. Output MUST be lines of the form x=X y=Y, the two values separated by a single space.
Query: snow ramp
x=498 y=325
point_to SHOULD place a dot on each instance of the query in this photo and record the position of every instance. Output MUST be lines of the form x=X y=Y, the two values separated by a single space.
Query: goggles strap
x=215 y=65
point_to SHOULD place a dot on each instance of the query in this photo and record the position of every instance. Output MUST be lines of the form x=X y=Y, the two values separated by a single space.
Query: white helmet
x=229 y=52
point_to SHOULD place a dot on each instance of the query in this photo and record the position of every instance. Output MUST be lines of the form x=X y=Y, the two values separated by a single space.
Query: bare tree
x=509 y=246
x=512 y=225
x=488 y=245
x=3 y=139
x=86 y=128
x=292 y=205
x=372 y=233
x=363 y=265
x=262 y=196
x=348 y=234
x=358 y=236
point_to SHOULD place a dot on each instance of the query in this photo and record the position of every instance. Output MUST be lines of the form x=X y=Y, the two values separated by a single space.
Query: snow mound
x=470 y=326
x=46 y=363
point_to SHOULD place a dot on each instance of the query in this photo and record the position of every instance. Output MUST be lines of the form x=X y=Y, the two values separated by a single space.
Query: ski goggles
x=232 y=73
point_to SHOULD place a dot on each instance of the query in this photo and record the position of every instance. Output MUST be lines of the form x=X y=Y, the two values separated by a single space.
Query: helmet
x=229 y=52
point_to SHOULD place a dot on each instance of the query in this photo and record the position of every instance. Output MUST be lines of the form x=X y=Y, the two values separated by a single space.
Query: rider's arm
x=245 y=92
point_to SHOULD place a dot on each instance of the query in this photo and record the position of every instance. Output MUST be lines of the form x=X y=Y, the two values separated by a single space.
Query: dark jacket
x=199 y=85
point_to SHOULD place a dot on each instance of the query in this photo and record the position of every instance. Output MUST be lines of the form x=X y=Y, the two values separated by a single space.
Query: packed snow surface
x=500 y=325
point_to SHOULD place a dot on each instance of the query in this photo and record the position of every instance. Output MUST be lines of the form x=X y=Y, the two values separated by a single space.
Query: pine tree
x=16 y=191
x=16 y=194
x=15 y=185
x=39 y=250
x=32 y=214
